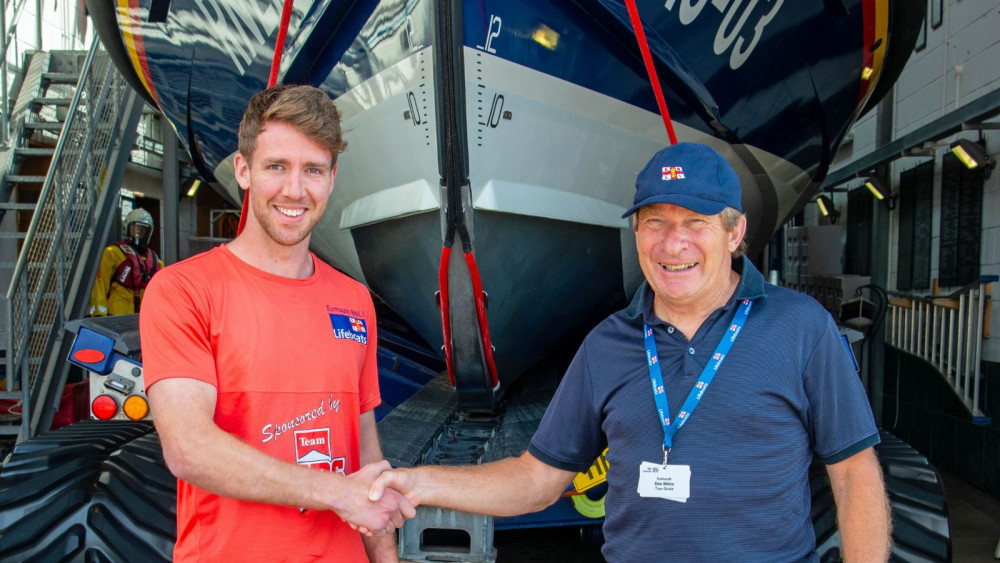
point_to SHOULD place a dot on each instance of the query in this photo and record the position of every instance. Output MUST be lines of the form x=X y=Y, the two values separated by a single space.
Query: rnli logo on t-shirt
x=312 y=449
x=349 y=328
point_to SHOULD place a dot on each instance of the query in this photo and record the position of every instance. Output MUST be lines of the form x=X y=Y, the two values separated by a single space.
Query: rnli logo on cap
x=672 y=172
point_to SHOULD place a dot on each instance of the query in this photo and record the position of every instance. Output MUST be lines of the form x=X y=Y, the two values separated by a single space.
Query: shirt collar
x=751 y=286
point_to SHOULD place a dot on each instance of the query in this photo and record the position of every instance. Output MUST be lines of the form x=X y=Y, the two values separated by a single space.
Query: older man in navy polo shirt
x=712 y=391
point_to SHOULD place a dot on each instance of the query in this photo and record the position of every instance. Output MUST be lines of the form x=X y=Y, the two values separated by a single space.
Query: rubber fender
x=921 y=529
x=91 y=491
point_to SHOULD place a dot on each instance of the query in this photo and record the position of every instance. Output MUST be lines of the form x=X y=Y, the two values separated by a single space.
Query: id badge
x=671 y=482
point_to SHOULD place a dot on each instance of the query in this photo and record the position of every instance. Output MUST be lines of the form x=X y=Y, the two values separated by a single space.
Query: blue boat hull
x=529 y=121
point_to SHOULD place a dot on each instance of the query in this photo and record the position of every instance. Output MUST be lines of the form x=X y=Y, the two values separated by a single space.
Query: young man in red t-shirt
x=260 y=363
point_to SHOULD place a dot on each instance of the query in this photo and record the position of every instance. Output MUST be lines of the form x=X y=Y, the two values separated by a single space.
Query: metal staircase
x=72 y=129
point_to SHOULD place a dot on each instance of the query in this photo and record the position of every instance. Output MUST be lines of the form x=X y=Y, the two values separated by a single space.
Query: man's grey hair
x=730 y=218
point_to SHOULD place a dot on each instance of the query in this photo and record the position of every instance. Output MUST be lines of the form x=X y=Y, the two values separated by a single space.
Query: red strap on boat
x=272 y=79
x=443 y=305
x=647 y=58
x=484 y=329
x=279 y=46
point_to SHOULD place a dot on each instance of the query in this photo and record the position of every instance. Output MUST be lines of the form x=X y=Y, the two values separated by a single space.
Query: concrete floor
x=974 y=517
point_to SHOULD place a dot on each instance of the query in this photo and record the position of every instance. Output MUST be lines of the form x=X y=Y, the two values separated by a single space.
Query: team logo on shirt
x=349 y=328
x=312 y=449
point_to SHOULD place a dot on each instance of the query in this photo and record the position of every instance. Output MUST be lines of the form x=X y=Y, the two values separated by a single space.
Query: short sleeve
x=569 y=436
x=175 y=331
x=840 y=416
x=369 y=395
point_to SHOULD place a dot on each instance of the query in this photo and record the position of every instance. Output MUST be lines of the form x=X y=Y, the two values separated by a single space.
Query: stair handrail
x=8 y=38
x=47 y=186
x=11 y=28
x=947 y=332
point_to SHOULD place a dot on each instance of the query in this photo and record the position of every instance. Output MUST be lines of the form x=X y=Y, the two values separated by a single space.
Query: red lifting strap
x=279 y=47
x=647 y=58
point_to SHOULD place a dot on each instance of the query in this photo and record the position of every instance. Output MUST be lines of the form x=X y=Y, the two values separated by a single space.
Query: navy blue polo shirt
x=786 y=391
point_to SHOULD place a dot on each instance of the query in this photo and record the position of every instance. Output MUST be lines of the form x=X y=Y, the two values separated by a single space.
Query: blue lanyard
x=660 y=396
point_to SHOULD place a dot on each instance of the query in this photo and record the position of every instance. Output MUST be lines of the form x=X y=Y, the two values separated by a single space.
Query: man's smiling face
x=289 y=180
x=685 y=256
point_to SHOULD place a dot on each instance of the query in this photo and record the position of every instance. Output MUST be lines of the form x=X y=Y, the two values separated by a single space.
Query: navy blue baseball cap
x=690 y=175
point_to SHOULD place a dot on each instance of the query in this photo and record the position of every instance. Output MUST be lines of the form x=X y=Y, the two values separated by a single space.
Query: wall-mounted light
x=194 y=187
x=973 y=155
x=881 y=192
x=827 y=208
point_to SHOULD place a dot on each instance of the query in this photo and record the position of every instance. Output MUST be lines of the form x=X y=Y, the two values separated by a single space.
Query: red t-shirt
x=294 y=362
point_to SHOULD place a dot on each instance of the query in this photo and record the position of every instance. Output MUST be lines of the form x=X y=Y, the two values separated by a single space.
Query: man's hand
x=381 y=516
x=400 y=481
x=509 y=487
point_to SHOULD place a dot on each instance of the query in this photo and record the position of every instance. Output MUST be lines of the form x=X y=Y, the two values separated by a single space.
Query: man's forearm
x=863 y=512
x=508 y=487
x=381 y=549
x=201 y=453
x=216 y=461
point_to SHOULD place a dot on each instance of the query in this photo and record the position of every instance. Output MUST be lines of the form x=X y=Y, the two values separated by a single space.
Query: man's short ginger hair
x=306 y=108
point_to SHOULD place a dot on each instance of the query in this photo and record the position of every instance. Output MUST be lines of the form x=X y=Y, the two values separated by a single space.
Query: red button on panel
x=88 y=356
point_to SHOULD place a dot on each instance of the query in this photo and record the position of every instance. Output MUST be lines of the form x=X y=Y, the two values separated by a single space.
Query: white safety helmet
x=139 y=217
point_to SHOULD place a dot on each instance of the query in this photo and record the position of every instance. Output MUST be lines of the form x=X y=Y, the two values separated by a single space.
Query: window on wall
x=961 y=220
x=916 y=192
x=937 y=13
x=859 y=232
x=922 y=36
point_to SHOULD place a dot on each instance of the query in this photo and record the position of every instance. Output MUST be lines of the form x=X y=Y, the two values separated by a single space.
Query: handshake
x=380 y=499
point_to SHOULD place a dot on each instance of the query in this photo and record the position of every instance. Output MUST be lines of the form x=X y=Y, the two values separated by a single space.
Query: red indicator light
x=88 y=356
x=104 y=407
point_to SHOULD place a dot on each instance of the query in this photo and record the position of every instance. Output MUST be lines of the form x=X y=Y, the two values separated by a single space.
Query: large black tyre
x=92 y=491
x=916 y=493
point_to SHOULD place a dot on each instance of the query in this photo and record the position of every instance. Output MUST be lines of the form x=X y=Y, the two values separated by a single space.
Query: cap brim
x=696 y=204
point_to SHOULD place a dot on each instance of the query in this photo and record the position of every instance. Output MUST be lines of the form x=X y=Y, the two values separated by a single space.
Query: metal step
x=41 y=236
x=60 y=77
x=17 y=206
x=25 y=179
x=12 y=265
x=47 y=101
x=44 y=125
x=33 y=151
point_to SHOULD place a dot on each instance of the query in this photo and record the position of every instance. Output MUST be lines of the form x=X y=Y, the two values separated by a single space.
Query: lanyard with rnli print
x=672 y=482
